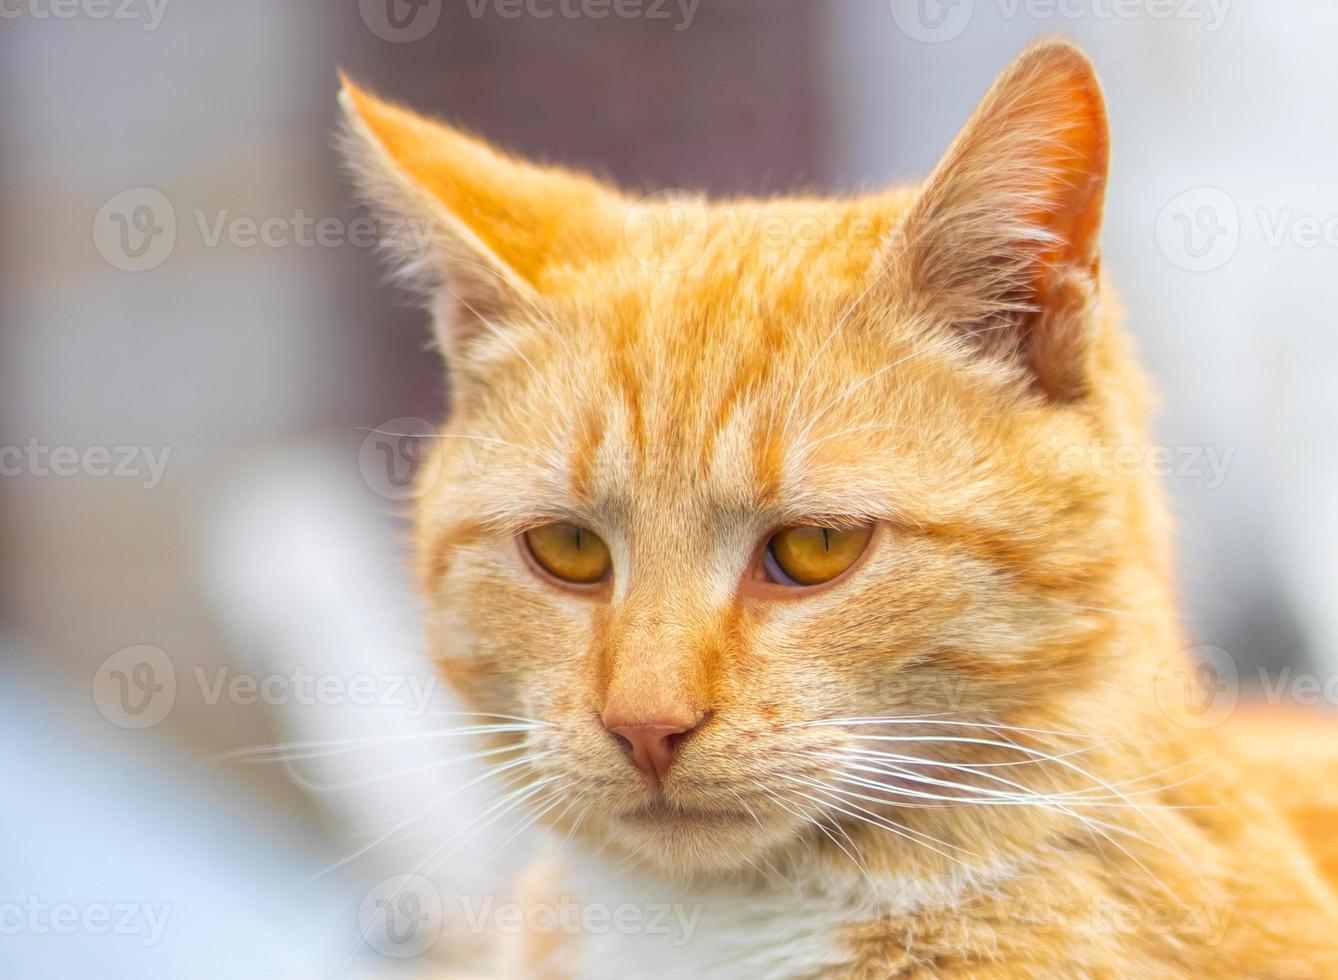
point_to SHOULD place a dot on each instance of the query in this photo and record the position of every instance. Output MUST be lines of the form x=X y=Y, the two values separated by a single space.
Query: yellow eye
x=809 y=555
x=570 y=553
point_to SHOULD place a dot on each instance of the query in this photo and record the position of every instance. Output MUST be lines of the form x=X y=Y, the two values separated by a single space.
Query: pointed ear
x=480 y=232
x=1002 y=239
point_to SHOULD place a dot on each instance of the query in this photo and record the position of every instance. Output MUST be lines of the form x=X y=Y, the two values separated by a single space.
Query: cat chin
x=691 y=843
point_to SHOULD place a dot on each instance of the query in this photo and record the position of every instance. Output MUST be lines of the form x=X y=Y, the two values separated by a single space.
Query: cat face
x=730 y=492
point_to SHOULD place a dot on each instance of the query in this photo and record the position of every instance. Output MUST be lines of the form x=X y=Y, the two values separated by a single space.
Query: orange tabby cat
x=780 y=533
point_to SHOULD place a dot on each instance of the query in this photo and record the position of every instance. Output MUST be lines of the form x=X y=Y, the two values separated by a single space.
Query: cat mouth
x=699 y=838
x=660 y=812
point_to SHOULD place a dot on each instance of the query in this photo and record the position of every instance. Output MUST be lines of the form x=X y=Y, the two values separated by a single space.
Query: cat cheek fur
x=914 y=747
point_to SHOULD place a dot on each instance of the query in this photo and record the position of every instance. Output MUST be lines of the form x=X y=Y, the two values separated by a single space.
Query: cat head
x=730 y=492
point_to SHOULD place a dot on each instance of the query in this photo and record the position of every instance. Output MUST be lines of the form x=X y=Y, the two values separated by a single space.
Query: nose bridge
x=661 y=661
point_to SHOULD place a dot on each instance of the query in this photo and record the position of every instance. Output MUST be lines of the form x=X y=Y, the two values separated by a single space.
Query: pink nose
x=652 y=745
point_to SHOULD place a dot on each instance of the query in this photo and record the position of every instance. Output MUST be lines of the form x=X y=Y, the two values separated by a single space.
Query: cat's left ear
x=1001 y=243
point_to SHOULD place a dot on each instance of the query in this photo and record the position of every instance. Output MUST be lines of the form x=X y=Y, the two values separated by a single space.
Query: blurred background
x=207 y=403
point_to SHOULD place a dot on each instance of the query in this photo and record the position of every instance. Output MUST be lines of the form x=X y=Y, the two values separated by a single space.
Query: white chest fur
x=625 y=924
x=628 y=924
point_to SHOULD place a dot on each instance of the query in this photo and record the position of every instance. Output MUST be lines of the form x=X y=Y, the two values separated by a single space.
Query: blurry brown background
x=263 y=370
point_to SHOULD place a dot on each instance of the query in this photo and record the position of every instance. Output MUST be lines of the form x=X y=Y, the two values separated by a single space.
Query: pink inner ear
x=1078 y=185
x=1065 y=281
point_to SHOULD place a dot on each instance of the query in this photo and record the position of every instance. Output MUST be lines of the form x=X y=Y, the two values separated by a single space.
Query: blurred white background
x=248 y=527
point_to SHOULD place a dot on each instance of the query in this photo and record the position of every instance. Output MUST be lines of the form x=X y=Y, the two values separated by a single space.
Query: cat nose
x=652 y=745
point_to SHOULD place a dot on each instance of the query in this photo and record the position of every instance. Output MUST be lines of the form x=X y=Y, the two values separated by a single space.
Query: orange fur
x=683 y=379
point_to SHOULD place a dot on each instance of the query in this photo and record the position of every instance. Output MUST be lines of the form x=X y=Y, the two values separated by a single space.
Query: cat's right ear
x=1002 y=242
x=477 y=231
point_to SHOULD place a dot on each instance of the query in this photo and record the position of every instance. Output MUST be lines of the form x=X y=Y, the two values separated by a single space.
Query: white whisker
x=321 y=748
x=487 y=774
x=808 y=819
x=311 y=786
x=900 y=832
x=938 y=720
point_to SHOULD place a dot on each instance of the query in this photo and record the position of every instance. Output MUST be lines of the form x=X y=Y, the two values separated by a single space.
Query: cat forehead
x=741 y=320
x=772 y=418
x=724 y=254
x=744 y=381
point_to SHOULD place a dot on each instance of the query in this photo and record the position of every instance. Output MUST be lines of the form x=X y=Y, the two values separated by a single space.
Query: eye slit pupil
x=810 y=554
x=568 y=552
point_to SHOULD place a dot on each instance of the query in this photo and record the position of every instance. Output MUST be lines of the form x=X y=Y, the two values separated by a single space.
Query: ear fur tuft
x=1002 y=241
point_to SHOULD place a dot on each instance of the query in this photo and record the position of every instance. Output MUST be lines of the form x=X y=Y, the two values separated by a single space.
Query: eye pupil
x=807 y=554
x=569 y=552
